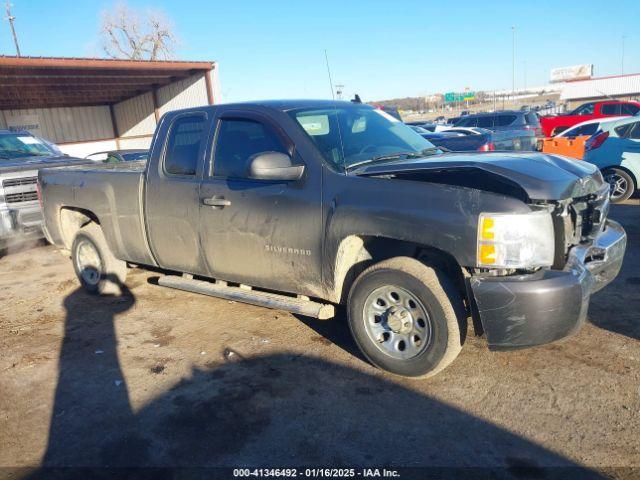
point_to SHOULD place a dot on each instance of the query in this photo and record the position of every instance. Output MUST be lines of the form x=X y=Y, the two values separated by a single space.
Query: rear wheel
x=621 y=183
x=406 y=317
x=95 y=266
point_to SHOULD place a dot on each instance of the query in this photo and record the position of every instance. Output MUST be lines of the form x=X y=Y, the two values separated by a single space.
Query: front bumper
x=20 y=222
x=526 y=310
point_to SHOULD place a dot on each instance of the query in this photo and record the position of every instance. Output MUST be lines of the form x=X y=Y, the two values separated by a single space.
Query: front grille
x=21 y=197
x=16 y=182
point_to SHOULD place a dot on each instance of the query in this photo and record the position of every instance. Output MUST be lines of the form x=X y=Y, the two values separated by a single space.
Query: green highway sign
x=452 y=97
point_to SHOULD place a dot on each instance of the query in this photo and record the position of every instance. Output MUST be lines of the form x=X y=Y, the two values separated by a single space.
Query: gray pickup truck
x=21 y=156
x=304 y=205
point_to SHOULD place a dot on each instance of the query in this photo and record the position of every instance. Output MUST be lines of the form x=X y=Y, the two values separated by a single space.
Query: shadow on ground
x=616 y=307
x=271 y=411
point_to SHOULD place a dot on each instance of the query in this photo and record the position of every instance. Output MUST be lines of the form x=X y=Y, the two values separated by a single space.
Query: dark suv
x=507 y=120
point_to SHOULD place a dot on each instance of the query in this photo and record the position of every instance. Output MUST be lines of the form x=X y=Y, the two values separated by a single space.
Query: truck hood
x=36 y=163
x=540 y=176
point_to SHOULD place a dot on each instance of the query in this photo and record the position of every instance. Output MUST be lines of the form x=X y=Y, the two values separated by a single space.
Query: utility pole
x=622 y=60
x=513 y=59
x=11 y=18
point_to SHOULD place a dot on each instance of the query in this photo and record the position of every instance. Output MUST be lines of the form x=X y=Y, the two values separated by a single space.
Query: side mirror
x=274 y=166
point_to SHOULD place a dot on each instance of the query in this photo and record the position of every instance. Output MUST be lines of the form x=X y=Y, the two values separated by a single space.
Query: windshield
x=351 y=136
x=23 y=145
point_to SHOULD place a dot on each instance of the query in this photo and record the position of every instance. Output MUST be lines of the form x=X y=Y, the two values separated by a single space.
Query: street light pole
x=513 y=58
x=622 y=60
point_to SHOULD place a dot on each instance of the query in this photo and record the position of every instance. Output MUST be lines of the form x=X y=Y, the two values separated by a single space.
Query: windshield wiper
x=395 y=156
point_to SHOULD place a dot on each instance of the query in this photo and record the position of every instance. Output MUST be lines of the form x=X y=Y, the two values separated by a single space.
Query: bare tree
x=127 y=33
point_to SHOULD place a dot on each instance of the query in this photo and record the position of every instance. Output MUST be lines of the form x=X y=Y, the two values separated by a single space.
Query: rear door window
x=183 y=145
x=485 y=122
x=505 y=120
x=610 y=109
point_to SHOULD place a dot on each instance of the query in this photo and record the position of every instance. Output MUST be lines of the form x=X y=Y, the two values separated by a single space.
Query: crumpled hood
x=541 y=176
x=36 y=163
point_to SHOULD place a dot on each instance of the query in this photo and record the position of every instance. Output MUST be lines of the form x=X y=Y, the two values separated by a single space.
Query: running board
x=244 y=294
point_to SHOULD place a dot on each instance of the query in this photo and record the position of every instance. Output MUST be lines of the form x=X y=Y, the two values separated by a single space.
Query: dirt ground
x=165 y=378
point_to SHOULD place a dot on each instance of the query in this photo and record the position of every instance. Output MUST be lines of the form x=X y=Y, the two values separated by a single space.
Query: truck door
x=171 y=192
x=258 y=232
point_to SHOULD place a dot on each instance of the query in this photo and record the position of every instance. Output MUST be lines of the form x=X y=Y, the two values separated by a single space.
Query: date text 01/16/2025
x=316 y=472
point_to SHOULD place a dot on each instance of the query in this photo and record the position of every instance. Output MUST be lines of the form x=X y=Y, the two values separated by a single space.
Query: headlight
x=515 y=240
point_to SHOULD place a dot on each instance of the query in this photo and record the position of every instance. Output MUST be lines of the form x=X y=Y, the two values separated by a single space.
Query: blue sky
x=380 y=49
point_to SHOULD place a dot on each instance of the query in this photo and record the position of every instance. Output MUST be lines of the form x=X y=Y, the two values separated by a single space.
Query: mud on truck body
x=304 y=205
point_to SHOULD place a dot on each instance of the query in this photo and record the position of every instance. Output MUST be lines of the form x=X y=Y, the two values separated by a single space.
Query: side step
x=302 y=306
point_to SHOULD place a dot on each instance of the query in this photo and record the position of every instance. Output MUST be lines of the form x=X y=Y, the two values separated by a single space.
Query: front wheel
x=407 y=318
x=97 y=269
x=621 y=183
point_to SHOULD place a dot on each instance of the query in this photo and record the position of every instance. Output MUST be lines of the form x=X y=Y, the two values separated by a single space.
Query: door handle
x=216 y=202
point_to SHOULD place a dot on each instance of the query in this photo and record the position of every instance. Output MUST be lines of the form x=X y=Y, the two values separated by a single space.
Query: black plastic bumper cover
x=526 y=310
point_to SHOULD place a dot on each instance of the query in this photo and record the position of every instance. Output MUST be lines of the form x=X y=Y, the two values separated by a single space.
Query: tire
x=97 y=269
x=621 y=183
x=439 y=336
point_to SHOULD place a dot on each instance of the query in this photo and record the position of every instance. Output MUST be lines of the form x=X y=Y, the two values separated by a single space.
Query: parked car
x=307 y=204
x=554 y=124
x=429 y=127
x=21 y=156
x=615 y=150
x=571 y=141
x=523 y=127
x=462 y=140
x=114 y=156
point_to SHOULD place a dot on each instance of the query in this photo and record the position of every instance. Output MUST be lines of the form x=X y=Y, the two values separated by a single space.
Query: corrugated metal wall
x=71 y=124
x=190 y=92
x=135 y=116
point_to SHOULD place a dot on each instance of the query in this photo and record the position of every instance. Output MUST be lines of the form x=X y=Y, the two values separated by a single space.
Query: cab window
x=183 y=145
x=237 y=141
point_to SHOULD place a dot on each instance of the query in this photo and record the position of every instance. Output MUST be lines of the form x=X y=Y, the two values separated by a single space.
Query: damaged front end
x=527 y=308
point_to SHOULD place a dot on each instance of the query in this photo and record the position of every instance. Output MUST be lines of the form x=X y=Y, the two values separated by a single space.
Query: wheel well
x=356 y=253
x=620 y=167
x=73 y=219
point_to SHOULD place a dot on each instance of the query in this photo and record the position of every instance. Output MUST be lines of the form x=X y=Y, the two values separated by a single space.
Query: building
x=620 y=87
x=87 y=105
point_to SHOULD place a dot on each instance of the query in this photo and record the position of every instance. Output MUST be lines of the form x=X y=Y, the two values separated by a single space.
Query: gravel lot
x=166 y=378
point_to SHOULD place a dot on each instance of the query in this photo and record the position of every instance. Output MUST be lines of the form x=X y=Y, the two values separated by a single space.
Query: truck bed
x=112 y=192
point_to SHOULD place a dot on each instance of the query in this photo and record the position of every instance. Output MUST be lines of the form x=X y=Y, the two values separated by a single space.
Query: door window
x=183 y=145
x=610 y=109
x=237 y=141
x=505 y=120
x=485 y=122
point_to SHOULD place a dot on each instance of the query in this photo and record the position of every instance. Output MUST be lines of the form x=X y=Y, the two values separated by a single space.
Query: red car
x=552 y=125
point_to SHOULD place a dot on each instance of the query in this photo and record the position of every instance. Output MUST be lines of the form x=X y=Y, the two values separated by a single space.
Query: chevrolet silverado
x=304 y=205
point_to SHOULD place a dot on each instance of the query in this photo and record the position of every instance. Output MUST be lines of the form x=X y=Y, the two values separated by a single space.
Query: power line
x=11 y=18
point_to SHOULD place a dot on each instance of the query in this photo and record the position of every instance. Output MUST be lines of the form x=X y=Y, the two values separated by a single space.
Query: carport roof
x=45 y=82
